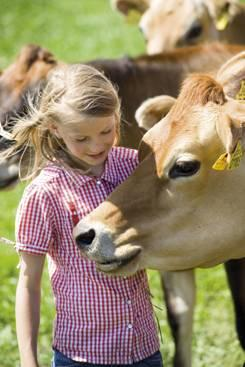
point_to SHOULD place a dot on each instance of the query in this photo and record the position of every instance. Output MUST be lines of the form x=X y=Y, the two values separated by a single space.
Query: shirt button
x=98 y=182
x=129 y=301
x=130 y=326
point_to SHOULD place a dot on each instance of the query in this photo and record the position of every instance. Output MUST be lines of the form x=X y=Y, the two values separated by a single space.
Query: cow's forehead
x=192 y=135
x=205 y=119
x=172 y=8
x=167 y=6
x=197 y=123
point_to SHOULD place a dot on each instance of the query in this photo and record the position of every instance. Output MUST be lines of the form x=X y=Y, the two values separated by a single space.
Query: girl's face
x=89 y=140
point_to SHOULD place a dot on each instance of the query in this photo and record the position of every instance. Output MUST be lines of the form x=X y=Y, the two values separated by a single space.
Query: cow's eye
x=184 y=169
x=194 y=32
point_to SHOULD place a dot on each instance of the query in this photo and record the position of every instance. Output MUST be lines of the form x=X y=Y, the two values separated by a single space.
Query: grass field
x=78 y=30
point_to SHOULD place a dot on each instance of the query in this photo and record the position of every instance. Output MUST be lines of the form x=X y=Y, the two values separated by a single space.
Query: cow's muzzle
x=96 y=243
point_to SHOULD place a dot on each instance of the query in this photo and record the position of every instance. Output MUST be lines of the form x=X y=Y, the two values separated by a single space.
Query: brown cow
x=137 y=79
x=31 y=67
x=28 y=72
x=178 y=23
x=176 y=155
x=176 y=190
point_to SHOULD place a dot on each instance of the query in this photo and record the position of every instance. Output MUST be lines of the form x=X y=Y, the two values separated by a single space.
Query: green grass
x=73 y=30
x=76 y=30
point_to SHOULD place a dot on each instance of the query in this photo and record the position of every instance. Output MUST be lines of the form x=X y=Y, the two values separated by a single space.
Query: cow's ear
x=153 y=110
x=230 y=127
x=126 y=6
x=231 y=121
x=231 y=75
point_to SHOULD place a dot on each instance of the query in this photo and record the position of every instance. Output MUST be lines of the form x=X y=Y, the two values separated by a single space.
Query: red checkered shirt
x=99 y=319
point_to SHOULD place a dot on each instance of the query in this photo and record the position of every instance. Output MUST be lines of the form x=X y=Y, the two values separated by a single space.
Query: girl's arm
x=28 y=296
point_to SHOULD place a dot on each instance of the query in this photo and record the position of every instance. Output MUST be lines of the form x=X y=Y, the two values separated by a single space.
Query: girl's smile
x=96 y=156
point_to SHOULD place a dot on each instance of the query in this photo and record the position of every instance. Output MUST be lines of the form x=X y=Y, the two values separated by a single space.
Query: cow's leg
x=235 y=270
x=180 y=291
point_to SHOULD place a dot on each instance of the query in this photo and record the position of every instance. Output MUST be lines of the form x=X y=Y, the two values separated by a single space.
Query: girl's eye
x=106 y=132
x=81 y=140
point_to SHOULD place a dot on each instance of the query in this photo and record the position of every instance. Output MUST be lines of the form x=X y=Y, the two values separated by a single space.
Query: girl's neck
x=79 y=166
x=97 y=170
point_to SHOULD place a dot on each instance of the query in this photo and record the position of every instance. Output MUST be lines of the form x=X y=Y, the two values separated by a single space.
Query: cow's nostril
x=86 y=238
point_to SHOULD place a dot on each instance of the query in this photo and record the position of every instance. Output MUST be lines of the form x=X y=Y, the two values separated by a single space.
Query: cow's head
x=177 y=23
x=25 y=76
x=175 y=211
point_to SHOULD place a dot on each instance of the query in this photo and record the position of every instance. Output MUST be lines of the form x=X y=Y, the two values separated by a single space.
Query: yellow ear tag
x=236 y=156
x=221 y=163
x=241 y=94
x=222 y=21
x=133 y=17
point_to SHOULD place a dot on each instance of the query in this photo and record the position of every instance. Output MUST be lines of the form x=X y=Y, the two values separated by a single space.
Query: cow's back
x=147 y=76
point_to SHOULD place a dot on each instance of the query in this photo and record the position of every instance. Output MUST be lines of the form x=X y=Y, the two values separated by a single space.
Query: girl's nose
x=96 y=147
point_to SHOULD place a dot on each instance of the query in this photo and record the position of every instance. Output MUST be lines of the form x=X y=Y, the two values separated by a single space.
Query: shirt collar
x=109 y=174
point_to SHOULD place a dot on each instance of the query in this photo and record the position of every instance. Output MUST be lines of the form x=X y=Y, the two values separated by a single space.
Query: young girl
x=69 y=142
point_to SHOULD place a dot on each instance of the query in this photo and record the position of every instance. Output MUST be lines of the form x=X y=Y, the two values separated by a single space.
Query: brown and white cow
x=175 y=191
x=176 y=212
x=178 y=23
x=180 y=293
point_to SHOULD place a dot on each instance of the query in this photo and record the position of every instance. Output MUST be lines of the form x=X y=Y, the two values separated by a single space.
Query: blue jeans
x=60 y=360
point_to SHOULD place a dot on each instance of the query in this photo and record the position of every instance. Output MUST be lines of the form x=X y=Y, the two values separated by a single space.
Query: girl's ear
x=54 y=130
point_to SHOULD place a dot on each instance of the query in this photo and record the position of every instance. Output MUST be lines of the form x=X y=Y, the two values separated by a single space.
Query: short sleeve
x=34 y=226
x=125 y=160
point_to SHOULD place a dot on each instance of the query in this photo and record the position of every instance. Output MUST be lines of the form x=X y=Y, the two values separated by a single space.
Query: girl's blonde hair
x=70 y=90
